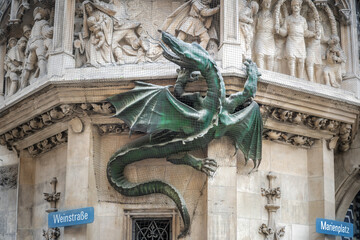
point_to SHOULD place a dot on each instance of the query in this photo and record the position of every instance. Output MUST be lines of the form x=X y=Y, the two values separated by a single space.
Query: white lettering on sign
x=334 y=228
x=70 y=218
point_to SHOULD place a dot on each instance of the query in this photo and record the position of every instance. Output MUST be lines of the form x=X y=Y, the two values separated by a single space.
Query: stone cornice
x=311 y=127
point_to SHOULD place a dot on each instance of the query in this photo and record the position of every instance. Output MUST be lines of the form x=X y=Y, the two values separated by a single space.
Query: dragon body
x=178 y=124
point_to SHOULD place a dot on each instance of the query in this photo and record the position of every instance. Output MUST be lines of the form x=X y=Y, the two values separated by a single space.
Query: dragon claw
x=209 y=167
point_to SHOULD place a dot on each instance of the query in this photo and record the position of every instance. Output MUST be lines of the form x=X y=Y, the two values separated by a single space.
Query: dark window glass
x=151 y=229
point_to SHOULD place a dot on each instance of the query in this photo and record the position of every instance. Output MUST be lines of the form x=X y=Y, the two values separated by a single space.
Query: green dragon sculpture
x=177 y=124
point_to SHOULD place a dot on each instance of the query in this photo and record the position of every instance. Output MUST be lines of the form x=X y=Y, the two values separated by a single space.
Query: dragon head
x=191 y=56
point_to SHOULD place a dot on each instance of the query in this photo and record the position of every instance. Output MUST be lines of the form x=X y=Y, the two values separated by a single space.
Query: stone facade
x=61 y=60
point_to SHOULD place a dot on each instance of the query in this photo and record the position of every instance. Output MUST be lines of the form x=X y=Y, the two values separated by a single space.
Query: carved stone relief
x=8 y=176
x=296 y=37
x=194 y=21
x=108 y=36
x=270 y=230
x=39 y=44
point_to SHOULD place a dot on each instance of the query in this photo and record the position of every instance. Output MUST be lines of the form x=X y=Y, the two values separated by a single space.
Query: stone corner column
x=229 y=50
x=61 y=56
x=78 y=165
x=321 y=186
x=222 y=192
x=2 y=71
x=350 y=45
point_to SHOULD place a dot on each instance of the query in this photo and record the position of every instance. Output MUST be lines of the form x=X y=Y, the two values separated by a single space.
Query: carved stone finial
x=53 y=197
x=51 y=233
x=270 y=231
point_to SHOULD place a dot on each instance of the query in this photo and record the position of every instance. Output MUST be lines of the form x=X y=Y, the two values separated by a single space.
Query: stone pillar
x=230 y=51
x=222 y=192
x=2 y=71
x=61 y=56
x=321 y=189
x=26 y=191
x=350 y=45
x=79 y=160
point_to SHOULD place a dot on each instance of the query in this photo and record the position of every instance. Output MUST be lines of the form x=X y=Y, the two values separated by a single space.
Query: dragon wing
x=149 y=108
x=245 y=128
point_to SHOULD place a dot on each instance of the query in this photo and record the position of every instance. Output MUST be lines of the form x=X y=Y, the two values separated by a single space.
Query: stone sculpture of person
x=313 y=49
x=335 y=57
x=100 y=26
x=37 y=46
x=193 y=18
x=265 y=41
x=14 y=63
x=295 y=28
x=246 y=22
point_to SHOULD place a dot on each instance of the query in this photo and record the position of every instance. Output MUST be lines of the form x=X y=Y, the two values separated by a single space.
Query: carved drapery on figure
x=38 y=45
x=246 y=23
x=109 y=37
x=193 y=21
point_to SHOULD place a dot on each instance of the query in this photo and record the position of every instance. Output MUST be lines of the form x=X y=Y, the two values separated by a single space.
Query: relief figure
x=246 y=22
x=335 y=57
x=14 y=64
x=295 y=28
x=265 y=41
x=97 y=34
x=192 y=19
x=313 y=50
x=37 y=46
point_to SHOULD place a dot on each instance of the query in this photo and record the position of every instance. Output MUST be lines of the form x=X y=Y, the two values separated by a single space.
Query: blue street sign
x=71 y=217
x=331 y=227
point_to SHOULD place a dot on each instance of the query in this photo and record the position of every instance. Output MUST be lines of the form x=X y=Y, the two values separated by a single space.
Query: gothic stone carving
x=51 y=234
x=8 y=176
x=265 y=42
x=52 y=197
x=48 y=144
x=56 y=114
x=246 y=23
x=38 y=45
x=193 y=21
x=109 y=37
x=14 y=64
x=270 y=230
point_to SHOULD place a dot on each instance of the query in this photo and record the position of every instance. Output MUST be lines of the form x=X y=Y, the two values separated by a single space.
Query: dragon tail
x=116 y=177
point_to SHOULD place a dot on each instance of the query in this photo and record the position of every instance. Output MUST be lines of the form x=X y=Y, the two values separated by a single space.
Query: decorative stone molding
x=112 y=128
x=270 y=230
x=52 y=197
x=8 y=176
x=293 y=139
x=342 y=130
x=48 y=144
x=57 y=114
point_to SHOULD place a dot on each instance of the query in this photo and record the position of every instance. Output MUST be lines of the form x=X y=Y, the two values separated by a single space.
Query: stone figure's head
x=12 y=42
x=27 y=31
x=254 y=6
x=92 y=24
x=334 y=40
x=296 y=6
x=40 y=13
x=88 y=8
x=266 y=4
x=22 y=42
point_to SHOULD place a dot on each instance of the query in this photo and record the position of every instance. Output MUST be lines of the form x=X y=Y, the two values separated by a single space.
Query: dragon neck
x=215 y=94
